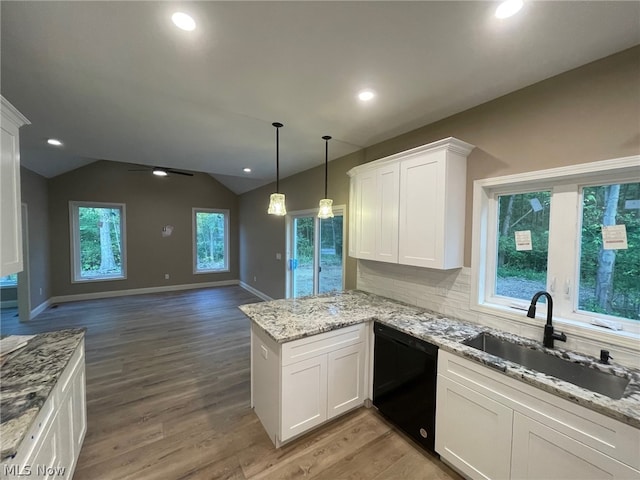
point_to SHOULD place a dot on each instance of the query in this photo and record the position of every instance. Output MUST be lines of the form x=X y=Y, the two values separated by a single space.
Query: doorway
x=315 y=253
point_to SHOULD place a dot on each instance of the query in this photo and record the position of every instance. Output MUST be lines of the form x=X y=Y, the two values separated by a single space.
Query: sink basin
x=581 y=375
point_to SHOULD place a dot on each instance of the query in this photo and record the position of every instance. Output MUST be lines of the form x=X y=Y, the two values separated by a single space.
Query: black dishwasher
x=404 y=382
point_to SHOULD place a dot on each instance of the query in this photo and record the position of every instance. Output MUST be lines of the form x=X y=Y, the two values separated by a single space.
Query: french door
x=314 y=253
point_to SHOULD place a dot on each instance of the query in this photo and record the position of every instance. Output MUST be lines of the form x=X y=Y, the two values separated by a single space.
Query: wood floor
x=168 y=398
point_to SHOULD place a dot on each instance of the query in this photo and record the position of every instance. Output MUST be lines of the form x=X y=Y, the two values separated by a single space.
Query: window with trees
x=98 y=241
x=573 y=231
x=211 y=240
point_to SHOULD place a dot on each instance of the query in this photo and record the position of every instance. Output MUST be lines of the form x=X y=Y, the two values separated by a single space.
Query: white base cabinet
x=489 y=426
x=299 y=385
x=51 y=447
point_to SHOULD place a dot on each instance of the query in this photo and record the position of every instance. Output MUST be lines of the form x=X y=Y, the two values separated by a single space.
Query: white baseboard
x=8 y=303
x=139 y=291
x=256 y=292
x=40 y=308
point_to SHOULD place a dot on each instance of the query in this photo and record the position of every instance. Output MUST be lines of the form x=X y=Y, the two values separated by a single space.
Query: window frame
x=194 y=240
x=563 y=269
x=74 y=217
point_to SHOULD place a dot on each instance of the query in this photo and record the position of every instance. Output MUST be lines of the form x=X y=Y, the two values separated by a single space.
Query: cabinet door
x=366 y=204
x=473 y=432
x=304 y=396
x=542 y=452
x=45 y=459
x=353 y=218
x=386 y=225
x=421 y=236
x=78 y=410
x=10 y=204
x=345 y=371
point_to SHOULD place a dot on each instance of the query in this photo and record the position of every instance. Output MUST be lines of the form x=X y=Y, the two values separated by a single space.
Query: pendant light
x=276 y=203
x=326 y=209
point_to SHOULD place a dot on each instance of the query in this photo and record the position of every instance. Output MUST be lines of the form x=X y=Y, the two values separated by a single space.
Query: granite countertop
x=290 y=319
x=26 y=380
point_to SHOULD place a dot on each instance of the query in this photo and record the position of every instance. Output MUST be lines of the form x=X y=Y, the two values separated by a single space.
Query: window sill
x=98 y=279
x=205 y=272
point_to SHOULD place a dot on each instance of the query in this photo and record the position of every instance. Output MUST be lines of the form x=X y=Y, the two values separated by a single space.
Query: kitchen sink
x=601 y=382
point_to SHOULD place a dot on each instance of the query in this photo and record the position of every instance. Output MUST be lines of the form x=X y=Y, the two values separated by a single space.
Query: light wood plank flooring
x=168 y=398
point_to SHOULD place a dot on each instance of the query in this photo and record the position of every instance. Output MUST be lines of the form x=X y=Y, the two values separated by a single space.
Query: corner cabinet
x=409 y=208
x=51 y=447
x=299 y=385
x=489 y=426
x=10 y=199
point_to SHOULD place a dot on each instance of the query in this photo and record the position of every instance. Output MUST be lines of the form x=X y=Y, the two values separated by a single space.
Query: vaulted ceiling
x=118 y=81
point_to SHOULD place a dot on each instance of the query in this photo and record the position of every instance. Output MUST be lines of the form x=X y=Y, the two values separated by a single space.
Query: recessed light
x=246 y=170
x=184 y=21
x=366 y=95
x=160 y=172
x=508 y=8
x=55 y=142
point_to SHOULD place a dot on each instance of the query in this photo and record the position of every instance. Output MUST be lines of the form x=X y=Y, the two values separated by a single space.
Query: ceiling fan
x=161 y=171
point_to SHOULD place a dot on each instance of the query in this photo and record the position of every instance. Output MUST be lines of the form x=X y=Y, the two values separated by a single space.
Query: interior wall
x=35 y=193
x=151 y=203
x=587 y=114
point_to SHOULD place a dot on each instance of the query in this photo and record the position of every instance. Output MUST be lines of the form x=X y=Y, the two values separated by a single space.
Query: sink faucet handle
x=604 y=356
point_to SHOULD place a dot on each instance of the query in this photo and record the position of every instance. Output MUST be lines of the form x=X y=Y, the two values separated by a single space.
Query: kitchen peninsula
x=295 y=387
x=43 y=406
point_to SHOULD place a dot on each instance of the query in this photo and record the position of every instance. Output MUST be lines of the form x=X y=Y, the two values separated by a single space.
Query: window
x=211 y=240
x=573 y=231
x=315 y=253
x=9 y=280
x=98 y=241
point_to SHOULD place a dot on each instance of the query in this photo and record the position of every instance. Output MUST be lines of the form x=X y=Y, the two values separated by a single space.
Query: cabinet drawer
x=315 y=345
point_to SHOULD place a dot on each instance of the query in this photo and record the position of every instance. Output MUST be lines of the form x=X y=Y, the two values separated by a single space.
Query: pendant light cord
x=277 y=125
x=326 y=139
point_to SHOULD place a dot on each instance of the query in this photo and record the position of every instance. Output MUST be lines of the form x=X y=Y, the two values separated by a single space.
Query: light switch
x=278 y=256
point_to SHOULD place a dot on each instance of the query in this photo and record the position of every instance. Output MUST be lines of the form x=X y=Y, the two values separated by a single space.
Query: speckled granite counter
x=26 y=380
x=287 y=320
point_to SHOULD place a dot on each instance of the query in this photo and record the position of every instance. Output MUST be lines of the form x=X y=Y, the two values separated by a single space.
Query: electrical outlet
x=255 y=279
x=278 y=256
x=40 y=290
x=166 y=276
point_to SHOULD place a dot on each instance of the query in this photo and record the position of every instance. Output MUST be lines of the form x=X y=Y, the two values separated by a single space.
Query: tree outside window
x=211 y=240
x=98 y=241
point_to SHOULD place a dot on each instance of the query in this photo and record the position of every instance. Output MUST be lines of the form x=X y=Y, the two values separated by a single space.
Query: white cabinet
x=485 y=447
x=409 y=208
x=10 y=200
x=542 y=452
x=299 y=385
x=52 y=445
x=491 y=426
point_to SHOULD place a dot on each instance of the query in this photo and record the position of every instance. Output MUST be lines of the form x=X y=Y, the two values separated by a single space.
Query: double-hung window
x=97 y=241
x=572 y=231
x=210 y=240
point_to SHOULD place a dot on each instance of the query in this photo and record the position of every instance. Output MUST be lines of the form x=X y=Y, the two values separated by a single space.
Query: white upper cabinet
x=10 y=200
x=409 y=208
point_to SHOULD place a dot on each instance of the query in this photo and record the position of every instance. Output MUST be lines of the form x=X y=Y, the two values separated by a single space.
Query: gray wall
x=151 y=202
x=34 y=189
x=587 y=114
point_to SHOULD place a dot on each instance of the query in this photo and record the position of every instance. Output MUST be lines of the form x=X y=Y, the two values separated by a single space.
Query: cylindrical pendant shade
x=276 y=205
x=326 y=208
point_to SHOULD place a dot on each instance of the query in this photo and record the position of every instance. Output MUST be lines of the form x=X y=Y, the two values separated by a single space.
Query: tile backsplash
x=448 y=292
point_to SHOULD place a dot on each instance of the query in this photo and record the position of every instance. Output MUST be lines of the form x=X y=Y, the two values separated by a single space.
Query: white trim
x=40 y=308
x=139 y=291
x=12 y=113
x=225 y=213
x=255 y=291
x=74 y=227
x=8 y=303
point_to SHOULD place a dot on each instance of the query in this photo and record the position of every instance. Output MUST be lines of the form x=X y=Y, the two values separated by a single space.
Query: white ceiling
x=117 y=81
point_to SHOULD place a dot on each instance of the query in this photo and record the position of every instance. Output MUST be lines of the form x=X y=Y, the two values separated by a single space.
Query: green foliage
x=90 y=246
x=210 y=237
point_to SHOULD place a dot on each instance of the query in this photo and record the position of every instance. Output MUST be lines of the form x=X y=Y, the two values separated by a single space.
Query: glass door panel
x=301 y=263
x=330 y=276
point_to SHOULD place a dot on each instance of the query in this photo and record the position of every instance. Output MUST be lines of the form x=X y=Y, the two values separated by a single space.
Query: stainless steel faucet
x=549 y=334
